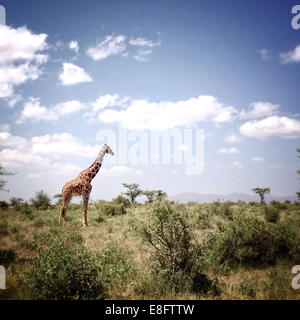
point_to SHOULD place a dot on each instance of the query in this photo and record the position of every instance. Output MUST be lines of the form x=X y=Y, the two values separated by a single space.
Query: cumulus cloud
x=229 y=150
x=21 y=56
x=144 y=114
x=274 y=126
x=72 y=74
x=34 y=111
x=292 y=56
x=259 y=110
x=43 y=152
x=73 y=45
x=110 y=45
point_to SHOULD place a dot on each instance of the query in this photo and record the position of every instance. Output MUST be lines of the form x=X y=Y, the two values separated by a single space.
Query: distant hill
x=206 y=198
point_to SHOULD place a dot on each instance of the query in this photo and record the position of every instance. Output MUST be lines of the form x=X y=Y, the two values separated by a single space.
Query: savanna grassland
x=162 y=250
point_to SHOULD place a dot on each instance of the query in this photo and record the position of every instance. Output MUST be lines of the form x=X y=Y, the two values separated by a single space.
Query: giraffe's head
x=107 y=149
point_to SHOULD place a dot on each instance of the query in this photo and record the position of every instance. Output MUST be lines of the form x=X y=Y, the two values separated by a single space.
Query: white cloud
x=121 y=171
x=20 y=44
x=108 y=101
x=274 y=126
x=110 y=45
x=33 y=111
x=43 y=152
x=232 y=137
x=144 y=114
x=20 y=57
x=73 y=45
x=229 y=150
x=6 y=89
x=142 y=42
x=258 y=159
x=259 y=110
x=13 y=100
x=61 y=144
x=142 y=55
x=265 y=54
x=292 y=56
x=72 y=74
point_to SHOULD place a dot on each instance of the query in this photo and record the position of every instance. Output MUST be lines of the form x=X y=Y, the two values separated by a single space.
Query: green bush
x=111 y=209
x=64 y=269
x=41 y=201
x=246 y=241
x=117 y=271
x=4 y=205
x=172 y=240
x=7 y=257
x=122 y=201
x=272 y=214
x=288 y=238
x=27 y=211
x=222 y=209
x=279 y=205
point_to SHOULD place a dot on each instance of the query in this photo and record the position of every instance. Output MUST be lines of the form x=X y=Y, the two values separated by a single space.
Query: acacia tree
x=160 y=195
x=261 y=192
x=3 y=172
x=150 y=194
x=132 y=192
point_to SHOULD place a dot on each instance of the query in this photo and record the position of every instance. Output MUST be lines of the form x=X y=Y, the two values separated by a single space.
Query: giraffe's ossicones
x=81 y=185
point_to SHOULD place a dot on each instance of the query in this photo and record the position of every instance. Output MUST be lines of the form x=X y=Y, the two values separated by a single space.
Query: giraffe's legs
x=85 y=197
x=63 y=207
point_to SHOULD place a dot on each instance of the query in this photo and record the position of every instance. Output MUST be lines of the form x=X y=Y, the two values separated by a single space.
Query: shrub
x=172 y=241
x=288 y=238
x=4 y=205
x=41 y=201
x=16 y=202
x=245 y=241
x=27 y=211
x=117 y=271
x=111 y=209
x=222 y=209
x=64 y=269
x=279 y=205
x=121 y=200
x=272 y=214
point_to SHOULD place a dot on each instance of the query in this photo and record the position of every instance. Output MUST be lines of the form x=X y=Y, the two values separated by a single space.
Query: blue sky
x=71 y=69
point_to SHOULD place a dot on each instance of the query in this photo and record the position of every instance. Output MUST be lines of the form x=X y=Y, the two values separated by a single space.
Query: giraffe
x=81 y=185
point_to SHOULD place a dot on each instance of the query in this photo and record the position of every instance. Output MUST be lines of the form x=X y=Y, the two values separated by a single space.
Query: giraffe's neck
x=91 y=171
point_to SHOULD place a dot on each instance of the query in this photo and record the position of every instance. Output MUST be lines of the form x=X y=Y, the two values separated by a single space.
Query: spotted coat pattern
x=81 y=186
